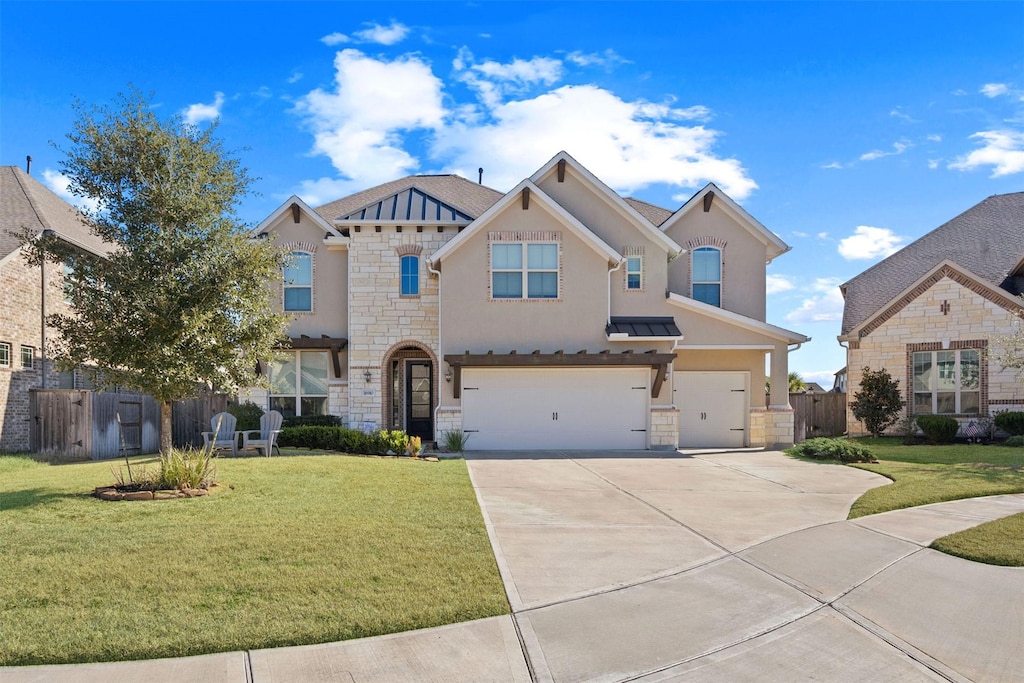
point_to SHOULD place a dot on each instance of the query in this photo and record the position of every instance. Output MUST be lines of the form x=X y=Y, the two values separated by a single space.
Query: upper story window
x=5 y=354
x=298 y=282
x=27 y=356
x=947 y=382
x=706 y=267
x=518 y=268
x=634 y=273
x=410 y=275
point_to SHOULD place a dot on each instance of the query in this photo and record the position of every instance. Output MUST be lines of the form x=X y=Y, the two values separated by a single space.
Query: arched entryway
x=410 y=389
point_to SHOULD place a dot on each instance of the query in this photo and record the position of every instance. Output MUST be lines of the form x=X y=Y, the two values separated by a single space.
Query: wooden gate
x=818 y=415
x=61 y=422
x=82 y=424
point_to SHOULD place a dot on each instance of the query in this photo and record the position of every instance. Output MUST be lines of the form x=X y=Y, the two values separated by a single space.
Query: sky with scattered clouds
x=849 y=129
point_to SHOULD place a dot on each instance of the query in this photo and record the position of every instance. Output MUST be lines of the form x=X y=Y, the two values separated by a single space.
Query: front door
x=419 y=401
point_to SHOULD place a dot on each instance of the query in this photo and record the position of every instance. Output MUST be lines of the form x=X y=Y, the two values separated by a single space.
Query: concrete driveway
x=738 y=566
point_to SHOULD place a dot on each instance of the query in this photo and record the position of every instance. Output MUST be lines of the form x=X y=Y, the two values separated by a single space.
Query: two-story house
x=555 y=316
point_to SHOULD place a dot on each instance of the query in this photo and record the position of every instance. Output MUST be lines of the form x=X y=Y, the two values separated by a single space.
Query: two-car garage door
x=555 y=408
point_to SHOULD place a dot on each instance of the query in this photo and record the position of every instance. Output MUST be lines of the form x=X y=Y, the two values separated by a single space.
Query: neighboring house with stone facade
x=27 y=295
x=929 y=313
x=557 y=315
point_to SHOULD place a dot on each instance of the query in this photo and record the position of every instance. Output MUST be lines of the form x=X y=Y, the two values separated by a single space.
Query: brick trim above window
x=408 y=250
x=524 y=236
x=954 y=345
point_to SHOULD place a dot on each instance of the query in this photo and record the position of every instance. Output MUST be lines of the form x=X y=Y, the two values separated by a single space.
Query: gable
x=409 y=205
x=297 y=220
x=946 y=270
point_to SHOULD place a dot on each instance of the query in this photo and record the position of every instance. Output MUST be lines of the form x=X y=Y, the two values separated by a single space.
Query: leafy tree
x=181 y=302
x=878 y=403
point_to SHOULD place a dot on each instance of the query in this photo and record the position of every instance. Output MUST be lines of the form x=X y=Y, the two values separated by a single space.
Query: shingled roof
x=987 y=240
x=467 y=197
x=26 y=204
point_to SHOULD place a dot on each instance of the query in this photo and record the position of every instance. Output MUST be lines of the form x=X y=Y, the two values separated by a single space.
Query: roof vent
x=28 y=165
x=480 y=176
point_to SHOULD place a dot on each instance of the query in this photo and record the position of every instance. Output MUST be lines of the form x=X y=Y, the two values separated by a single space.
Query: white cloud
x=897 y=112
x=897 y=148
x=934 y=163
x=383 y=35
x=867 y=242
x=366 y=124
x=823 y=236
x=295 y=77
x=825 y=378
x=60 y=185
x=360 y=124
x=959 y=92
x=1001 y=149
x=332 y=39
x=797 y=233
x=832 y=164
x=934 y=138
x=608 y=58
x=323 y=190
x=993 y=89
x=199 y=112
x=774 y=284
x=824 y=305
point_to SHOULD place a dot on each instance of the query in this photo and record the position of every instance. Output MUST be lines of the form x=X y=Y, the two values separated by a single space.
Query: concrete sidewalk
x=725 y=566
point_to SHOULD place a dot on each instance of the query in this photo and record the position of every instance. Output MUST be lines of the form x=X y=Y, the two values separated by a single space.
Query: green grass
x=290 y=551
x=997 y=542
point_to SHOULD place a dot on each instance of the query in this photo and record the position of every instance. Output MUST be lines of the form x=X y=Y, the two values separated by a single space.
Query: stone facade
x=664 y=427
x=945 y=315
x=20 y=320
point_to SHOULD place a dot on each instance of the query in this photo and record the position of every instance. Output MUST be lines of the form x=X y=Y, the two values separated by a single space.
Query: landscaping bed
x=295 y=550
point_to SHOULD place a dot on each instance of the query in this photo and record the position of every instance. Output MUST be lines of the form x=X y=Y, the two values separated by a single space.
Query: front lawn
x=292 y=550
x=1000 y=541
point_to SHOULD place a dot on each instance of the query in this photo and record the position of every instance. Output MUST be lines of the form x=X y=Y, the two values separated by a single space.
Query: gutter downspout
x=610 y=271
x=440 y=360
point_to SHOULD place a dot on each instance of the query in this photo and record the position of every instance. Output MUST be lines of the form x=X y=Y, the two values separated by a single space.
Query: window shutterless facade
x=524 y=268
x=5 y=354
x=298 y=383
x=410 y=276
x=947 y=382
x=707 y=275
x=298 y=282
x=634 y=273
x=27 y=356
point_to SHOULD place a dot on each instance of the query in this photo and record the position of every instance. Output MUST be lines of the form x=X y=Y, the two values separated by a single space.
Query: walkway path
x=725 y=566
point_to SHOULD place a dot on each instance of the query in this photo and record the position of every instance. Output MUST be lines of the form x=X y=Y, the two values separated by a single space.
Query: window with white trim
x=5 y=354
x=634 y=272
x=524 y=268
x=410 y=275
x=298 y=282
x=28 y=354
x=298 y=383
x=947 y=382
x=706 y=270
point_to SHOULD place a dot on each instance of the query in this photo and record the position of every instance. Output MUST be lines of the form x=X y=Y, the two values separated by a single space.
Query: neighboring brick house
x=556 y=315
x=26 y=205
x=930 y=312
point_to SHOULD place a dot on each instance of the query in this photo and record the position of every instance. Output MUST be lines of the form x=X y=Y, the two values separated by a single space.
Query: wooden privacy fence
x=818 y=415
x=82 y=424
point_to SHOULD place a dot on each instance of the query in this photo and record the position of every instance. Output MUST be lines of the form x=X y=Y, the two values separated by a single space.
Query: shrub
x=312 y=421
x=247 y=414
x=396 y=440
x=455 y=441
x=1011 y=422
x=878 y=402
x=832 y=449
x=1016 y=441
x=188 y=468
x=340 y=439
x=938 y=428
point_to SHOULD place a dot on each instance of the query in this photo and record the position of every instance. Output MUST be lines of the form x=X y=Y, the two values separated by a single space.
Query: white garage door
x=555 y=408
x=712 y=408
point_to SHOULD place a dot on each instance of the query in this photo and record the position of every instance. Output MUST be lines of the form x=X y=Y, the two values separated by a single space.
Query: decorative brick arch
x=406 y=349
x=409 y=250
x=707 y=241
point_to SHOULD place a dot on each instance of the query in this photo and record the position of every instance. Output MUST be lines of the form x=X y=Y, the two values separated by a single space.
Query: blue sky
x=849 y=129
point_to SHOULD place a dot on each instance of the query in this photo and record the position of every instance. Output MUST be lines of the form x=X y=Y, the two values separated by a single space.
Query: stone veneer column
x=664 y=427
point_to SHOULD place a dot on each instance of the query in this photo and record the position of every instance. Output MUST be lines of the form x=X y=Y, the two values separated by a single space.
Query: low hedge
x=313 y=421
x=938 y=428
x=832 y=449
x=1016 y=441
x=1010 y=421
x=340 y=439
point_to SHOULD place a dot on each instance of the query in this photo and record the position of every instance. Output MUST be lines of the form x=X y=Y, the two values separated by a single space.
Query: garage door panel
x=555 y=408
x=713 y=408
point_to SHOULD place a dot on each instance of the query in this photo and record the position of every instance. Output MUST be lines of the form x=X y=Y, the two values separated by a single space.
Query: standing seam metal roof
x=987 y=240
x=466 y=197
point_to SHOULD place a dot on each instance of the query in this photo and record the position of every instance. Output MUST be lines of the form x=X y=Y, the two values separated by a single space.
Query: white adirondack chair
x=222 y=434
x=265 y=438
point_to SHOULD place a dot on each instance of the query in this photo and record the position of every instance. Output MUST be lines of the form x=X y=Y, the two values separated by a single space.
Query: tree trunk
x=166 y=428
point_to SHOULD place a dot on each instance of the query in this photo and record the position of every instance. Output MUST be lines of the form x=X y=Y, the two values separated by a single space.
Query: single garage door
x=555 y=408
x=712 y=409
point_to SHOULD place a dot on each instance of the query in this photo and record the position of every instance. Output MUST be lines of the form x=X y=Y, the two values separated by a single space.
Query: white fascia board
x=998 y=293
x=542 y=200
x=267 y=222
x=753 y=225
x=612 y=198
x=743 y=321
x=725 y=347
x=333 y=243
